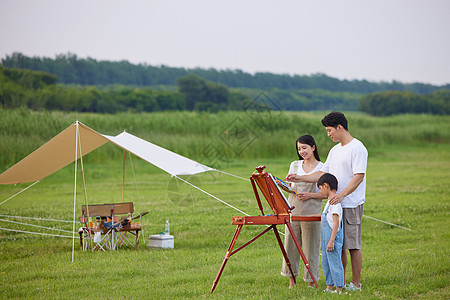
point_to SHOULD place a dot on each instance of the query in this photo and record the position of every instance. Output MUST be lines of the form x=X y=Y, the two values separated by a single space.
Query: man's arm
x=304 y=178
x=350 y=188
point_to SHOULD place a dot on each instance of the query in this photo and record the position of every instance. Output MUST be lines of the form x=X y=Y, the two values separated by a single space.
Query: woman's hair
x=309 y=140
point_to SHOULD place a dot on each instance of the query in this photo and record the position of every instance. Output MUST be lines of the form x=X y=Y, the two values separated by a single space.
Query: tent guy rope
x=38 y=226
x=38 y=219
x=39 y=233
x=203 y=191
x=23 y=190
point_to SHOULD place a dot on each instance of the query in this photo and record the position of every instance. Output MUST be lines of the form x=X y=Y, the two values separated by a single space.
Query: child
x=331 y=235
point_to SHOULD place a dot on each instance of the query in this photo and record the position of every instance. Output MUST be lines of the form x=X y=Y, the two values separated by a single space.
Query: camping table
x=121 y=238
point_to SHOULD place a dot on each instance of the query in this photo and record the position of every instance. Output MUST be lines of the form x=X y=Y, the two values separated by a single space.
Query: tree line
x=38 y=90
x=394 y=102
x=70 y=69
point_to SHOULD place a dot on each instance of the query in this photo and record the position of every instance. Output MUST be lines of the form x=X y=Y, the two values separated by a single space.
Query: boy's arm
x=350 y=188
x=330 y=246
x=304 y=178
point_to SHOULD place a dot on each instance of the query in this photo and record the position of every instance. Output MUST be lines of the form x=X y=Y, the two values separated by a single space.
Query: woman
x=308 y=201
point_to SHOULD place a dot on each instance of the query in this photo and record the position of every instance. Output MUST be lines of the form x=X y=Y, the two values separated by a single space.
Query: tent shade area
x=77 y=140
x=54 y=155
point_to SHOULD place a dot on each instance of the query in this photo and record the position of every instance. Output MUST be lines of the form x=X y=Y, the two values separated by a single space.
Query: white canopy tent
x=78 y=140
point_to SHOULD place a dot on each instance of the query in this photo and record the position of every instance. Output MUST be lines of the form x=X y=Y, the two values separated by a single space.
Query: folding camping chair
x=281 y=215
x=111 y=234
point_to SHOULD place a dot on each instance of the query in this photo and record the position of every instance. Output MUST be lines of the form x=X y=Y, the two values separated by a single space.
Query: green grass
x=407 y=184
x=403 y=188
x=238 y=135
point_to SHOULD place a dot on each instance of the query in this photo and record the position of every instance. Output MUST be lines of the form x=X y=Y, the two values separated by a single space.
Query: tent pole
x=85 y=192
x=123 y=178
x=75 y=189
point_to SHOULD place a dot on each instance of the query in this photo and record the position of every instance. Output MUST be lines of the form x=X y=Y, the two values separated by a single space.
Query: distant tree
x=201 y=94
x=194 y=90
x=170 y=100
x=440 y=102
x=217 y=93
x=394 y=102
x=29 y=79
x=238 y=100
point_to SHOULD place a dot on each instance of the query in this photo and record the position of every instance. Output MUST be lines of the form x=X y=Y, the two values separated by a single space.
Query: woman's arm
x=307 y=195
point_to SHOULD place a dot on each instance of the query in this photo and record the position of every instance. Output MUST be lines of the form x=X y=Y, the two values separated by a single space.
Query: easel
x=282 y=215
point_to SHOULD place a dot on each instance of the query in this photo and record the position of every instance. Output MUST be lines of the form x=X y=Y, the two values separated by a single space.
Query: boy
x=331 y=235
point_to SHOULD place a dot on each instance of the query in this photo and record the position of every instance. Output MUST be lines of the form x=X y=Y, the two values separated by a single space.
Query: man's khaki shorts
x=351 y=219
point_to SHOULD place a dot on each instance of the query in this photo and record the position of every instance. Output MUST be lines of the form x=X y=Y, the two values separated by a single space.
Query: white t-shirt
x=335 y=209
x=345 y=161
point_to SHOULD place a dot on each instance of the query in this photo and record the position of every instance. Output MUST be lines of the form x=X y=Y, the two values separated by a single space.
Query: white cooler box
x=160 y=241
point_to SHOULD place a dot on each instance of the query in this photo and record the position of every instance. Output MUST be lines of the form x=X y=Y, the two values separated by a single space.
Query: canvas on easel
x=281 y=208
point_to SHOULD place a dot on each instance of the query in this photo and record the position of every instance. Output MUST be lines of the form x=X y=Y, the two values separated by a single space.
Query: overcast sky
x=377 y=40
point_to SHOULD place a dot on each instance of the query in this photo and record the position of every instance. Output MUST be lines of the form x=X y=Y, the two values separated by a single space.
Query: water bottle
x=167 y=229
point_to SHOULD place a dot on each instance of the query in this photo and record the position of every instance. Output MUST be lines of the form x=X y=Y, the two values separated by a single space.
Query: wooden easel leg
x=227 y=255
x=299 y=248
x=288 y=263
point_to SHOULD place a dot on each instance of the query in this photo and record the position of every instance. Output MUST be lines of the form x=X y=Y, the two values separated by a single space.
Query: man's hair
x=335 y=118
x=330 y=179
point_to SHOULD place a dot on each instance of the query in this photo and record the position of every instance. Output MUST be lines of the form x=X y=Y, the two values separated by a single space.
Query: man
x=348 y=162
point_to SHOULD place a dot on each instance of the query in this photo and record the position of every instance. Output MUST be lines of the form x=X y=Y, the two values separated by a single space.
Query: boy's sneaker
x=352 y=287
x=330 y=291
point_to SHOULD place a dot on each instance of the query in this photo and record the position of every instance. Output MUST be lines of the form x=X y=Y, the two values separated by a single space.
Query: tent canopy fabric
x=166 y=160
x=60 y=152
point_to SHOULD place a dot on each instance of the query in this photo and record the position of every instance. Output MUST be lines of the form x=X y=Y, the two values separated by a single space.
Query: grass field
x=407 y=184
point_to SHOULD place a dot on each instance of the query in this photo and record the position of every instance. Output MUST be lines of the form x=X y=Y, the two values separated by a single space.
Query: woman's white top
x=310 y=206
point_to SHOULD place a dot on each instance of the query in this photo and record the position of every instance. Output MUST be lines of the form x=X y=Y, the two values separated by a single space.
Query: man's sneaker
x=329 y=291
x=352 y=287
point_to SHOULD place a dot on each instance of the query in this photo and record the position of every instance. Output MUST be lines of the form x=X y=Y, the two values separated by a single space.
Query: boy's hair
x=335 y=118
x=330 y=179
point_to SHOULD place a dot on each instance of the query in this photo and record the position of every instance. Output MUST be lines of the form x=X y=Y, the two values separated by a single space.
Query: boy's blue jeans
x=331 y=261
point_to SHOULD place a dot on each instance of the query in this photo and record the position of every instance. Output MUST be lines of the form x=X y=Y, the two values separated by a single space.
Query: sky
x=375 y=40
